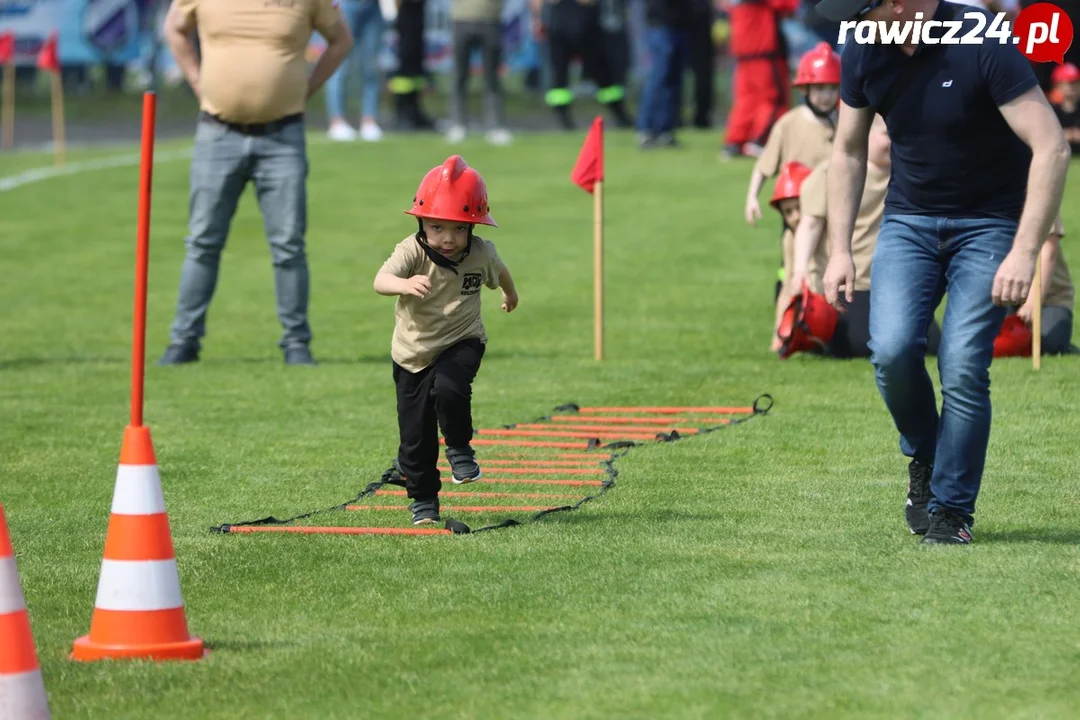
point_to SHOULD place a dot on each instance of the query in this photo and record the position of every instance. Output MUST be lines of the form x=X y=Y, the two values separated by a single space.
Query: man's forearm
x=846 y=177
x=1046 y=186
x=335 y=53
x=183 y=51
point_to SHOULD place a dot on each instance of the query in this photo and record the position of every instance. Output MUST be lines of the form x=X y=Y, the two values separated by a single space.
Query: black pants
x=852 y=336
x=410 y=28
x=574 y=31
x=487 y=37
x=703 y=65
x=439 y=396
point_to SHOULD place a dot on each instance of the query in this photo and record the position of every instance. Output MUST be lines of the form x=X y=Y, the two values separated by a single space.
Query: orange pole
x=670 y=410
x=641 y=420
x=142 y=258
x=458 y=493
x=303 y=530
x=460 y=508
x=542 y=471
x=7 y=114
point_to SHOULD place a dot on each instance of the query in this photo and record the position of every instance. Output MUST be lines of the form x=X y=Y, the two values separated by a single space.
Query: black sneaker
x=918 y=495
x=463 y=464
x=947 y=528
x=298 y=355
x=179 y=355
x=425 y=512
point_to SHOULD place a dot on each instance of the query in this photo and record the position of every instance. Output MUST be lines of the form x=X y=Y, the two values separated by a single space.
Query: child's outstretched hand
x=418 y=285
x=510 y=300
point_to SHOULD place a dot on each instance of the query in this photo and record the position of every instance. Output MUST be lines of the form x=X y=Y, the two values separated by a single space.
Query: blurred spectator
x=476 y=25
x=1066 y=81
x=702 y=64
x=409 y=80
x=572 y=29
x=761 y=87
x=365 y=19
x=667 y=38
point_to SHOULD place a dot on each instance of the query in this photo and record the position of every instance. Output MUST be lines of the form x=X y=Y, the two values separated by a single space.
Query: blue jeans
x=668 y=51
x=223 y=162
x=917 y=260
x=367 y=25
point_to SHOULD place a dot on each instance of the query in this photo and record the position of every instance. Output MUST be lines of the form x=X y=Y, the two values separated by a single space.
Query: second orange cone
x=139 y=611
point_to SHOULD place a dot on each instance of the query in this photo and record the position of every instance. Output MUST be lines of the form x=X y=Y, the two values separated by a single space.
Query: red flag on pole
x=7 y=47
x=47 y=58
x=590 y=163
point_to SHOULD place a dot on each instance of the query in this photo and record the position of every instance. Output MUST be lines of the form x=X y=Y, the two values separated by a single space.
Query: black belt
x=253 y=128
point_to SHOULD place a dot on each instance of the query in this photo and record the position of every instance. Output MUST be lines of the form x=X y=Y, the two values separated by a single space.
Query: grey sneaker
x=298 y=355
x=463 y=464
x=425 y=512
x=179 y=355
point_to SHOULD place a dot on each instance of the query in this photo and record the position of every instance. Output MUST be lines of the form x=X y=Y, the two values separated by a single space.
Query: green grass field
x=762 y=571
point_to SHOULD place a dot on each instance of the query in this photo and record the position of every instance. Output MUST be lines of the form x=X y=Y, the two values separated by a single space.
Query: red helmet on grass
x=455 y=192
x=1014 y=339
x=808 y=323
x=818 y=66
x=789 y=182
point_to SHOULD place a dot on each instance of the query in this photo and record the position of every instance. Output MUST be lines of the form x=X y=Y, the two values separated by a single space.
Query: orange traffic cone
x=139 y=612
x=22 y=691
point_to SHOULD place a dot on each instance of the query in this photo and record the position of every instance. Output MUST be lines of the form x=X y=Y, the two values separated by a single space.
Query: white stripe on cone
x=22 y=697
x=138 y=491
x=139 y=585
x=11 y=597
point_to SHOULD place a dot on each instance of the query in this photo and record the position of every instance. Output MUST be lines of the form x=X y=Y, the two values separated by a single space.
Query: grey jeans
x=224 y=161
x=487 y=36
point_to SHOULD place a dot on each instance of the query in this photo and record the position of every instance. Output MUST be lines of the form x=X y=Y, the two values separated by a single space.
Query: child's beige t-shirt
x=812 y=201
x=798 y=135
x=424 y=327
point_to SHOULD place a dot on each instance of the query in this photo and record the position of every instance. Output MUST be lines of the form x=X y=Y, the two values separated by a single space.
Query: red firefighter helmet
x=818 y=66
x=1066 y=73
x=808 y=323
x=453 y=191
x=1014 y=339
x=789 y=182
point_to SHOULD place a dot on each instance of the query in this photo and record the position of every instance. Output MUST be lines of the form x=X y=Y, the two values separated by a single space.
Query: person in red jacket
x=761 y=86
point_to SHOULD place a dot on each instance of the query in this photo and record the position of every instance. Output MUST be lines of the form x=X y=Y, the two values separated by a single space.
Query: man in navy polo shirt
x=978 y=171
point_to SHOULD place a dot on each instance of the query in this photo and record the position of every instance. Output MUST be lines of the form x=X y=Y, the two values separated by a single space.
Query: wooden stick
x=598 y=268
x=1036 y=315
x=58 y=116
x=7 y=116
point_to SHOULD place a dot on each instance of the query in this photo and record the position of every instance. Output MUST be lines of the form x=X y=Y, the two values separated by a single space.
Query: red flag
x=7 y=47
x=47 y=58
x=590 y=163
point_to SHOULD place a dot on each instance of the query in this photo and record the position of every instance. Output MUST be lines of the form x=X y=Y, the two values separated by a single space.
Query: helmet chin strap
x=437 y=257
x=824 y=115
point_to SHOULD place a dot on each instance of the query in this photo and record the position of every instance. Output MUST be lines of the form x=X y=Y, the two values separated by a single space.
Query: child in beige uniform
x=439 y=338
x=811 y=251
x=1058 y=293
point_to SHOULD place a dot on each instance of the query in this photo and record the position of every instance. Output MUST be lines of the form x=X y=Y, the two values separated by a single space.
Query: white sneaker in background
x=500 y=136
x=456 y=133
x=342 y=132
x=370 y=132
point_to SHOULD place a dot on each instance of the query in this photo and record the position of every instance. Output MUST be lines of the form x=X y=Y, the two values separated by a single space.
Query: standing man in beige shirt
x=252 y=84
